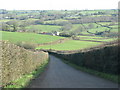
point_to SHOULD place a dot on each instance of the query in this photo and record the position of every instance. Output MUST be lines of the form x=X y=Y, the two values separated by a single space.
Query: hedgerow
x=17 y=62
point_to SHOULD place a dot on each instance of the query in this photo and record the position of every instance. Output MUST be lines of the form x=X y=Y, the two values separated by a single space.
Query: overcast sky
x=58 y=4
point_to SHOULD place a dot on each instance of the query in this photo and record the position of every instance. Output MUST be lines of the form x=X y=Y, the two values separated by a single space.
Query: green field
x=5 y=20
x=44 y=28
x=97 y=37
x=90 y=11
x=52 y=21
x=94 y=24
x=28 y=37
x=98 y=29
x=107 y=23
x=94 y=39
x=114 y=26
x=95 y=11
x=75 y=26
x=71 y=45
x=99 y=15
x=114 y=30
x=94 y=29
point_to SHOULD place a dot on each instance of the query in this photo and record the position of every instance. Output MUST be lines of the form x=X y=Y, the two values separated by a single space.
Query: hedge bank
x=104 y=59
x=17 y=62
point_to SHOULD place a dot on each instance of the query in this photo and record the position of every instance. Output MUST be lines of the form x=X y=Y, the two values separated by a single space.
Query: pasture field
x=114 y=30
x=99 y=15
x=72 y=17
x=95 y=39
x=52 y=21
x=94 y=24
x=44 y=28
x=107 y=23
x=89 y=12
x=70 y=45
x=114 y=26
x=85 y=33
x=96 y=11
x=4 y=20
x=28 y=37
x=95 y=28
x=31 y=19
x=98 y=29
x=22 y=14
x=75 y=26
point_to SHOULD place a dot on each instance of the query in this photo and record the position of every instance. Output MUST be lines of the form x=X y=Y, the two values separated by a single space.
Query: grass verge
x=25 y=80
x=114 y=78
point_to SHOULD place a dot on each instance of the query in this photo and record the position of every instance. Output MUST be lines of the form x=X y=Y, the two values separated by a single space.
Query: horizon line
x=61 y=9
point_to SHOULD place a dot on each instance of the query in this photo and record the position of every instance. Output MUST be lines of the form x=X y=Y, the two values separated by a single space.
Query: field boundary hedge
x=17 y=62
x=55 y=42
x=103 y=59
x=107 y=44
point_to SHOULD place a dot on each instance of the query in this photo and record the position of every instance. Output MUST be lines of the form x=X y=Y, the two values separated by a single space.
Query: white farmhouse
x=57 y=33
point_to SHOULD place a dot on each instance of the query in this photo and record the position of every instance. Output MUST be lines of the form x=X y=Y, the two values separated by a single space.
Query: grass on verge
x=110 y=77
x=26 y=79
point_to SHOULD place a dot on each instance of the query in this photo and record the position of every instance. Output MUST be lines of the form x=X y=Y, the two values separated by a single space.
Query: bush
x=65 y=34
x=26 y=45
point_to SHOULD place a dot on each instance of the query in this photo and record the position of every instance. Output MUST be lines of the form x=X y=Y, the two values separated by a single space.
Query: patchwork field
x=28 y=37
x=44 y=28
x=97 y=37
x=84 y=42
x=101 y=40
x=70 y=45
x=5 y=20
x=53 y=21
x=78 y=30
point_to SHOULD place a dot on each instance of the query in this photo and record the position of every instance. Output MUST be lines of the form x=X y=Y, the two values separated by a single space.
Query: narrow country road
x=61 y=75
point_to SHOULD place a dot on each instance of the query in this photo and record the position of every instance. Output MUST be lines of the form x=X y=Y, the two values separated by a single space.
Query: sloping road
x=60 y=75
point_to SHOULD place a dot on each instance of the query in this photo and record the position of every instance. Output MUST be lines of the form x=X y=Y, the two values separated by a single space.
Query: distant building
x=53 y=34
x=47 y=33
x=7 y=17
x=19 y=30
x=30 y=16
x=57 y=33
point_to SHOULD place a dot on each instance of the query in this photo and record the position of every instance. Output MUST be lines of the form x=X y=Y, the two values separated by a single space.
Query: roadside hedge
x=104 y=59
x=17 y=61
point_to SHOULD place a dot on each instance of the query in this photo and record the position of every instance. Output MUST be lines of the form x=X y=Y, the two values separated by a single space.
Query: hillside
x=71 y=22
x=85 y=39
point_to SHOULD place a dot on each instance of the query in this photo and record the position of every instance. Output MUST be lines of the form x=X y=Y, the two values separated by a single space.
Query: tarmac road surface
x=61 y=75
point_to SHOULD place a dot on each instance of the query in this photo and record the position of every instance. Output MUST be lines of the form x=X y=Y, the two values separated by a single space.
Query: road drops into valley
x=61 y=75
